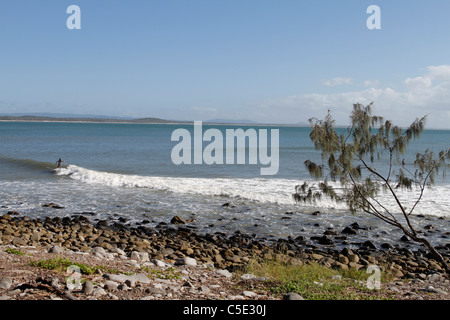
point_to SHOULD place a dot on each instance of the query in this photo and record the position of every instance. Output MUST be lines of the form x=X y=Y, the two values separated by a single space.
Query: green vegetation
x=313 y=281
x=169 y=273
x=17 y=252
x=61 y=264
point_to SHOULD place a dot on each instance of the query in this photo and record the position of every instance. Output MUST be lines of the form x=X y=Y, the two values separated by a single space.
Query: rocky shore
x=172 y=261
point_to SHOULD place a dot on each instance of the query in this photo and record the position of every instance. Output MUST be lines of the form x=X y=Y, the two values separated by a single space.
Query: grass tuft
x=314 y=281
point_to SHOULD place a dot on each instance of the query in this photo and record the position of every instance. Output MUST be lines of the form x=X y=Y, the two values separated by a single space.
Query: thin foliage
x=349 y=159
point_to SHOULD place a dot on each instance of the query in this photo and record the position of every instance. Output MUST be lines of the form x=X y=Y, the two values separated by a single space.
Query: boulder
x=348 y=230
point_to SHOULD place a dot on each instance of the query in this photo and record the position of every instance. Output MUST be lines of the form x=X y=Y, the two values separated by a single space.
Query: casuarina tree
x=348 y=169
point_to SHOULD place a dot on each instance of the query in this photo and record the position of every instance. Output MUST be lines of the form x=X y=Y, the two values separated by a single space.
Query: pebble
x=139 y=256
x=122 y=278
x=249 y=294
x=98 y=292
x=225 y=273
x=292 y=296
x=55 y=249
x=88 y=287
x=247 y=276
x=110 y=285
x=435 y=290
x=5 y=282
x=155 y=291
x=186 y=261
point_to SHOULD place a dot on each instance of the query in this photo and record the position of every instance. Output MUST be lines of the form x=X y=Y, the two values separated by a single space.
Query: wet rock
x=325 y=241
x=404 y=239
x=177 y=220
x=228 y=205
x=52 y=205
x=356 y=226
x=368 y=244
x=386 y=246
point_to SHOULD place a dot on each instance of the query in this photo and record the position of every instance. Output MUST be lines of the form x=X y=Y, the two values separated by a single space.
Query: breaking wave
x=436 y=200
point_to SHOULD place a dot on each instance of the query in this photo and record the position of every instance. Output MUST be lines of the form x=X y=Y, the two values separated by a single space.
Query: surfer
x=59 y=163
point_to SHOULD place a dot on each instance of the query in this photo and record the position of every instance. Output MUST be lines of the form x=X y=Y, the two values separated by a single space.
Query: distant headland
x=107 y=119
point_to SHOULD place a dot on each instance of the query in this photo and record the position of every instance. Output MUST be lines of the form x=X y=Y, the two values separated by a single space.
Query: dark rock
x=356 y=226
x=315 y=213
x=228 y=205
x=102 y=223
x=85 y=213
x=323 y=240
x=348 y=230
x=369 y=244
x=347 y=252
x=386 y=246
x=404 y=239
x=52 y=205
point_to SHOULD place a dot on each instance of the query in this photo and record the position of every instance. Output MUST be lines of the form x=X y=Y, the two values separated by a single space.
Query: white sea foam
x=435 y=201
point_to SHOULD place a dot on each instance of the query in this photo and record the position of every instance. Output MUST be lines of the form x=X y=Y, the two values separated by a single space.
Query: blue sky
x=272 y=61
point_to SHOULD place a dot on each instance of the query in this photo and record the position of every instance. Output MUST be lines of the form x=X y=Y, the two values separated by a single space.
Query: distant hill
x=62 y=115
x=81 y=118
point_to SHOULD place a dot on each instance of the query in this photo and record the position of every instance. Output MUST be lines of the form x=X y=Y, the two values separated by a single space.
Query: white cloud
x=339 y=81
x=428 y=93
x=370 y=83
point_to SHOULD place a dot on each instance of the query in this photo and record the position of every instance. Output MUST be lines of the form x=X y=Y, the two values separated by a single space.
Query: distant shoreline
x=134 y=121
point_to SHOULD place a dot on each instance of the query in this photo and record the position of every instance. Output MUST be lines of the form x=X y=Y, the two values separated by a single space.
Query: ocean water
x=126 y=171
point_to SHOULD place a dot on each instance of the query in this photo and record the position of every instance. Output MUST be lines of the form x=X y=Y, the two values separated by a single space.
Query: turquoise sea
x=126 y=171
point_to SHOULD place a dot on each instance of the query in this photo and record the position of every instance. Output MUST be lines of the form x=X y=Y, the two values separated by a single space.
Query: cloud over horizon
x=428 y=93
